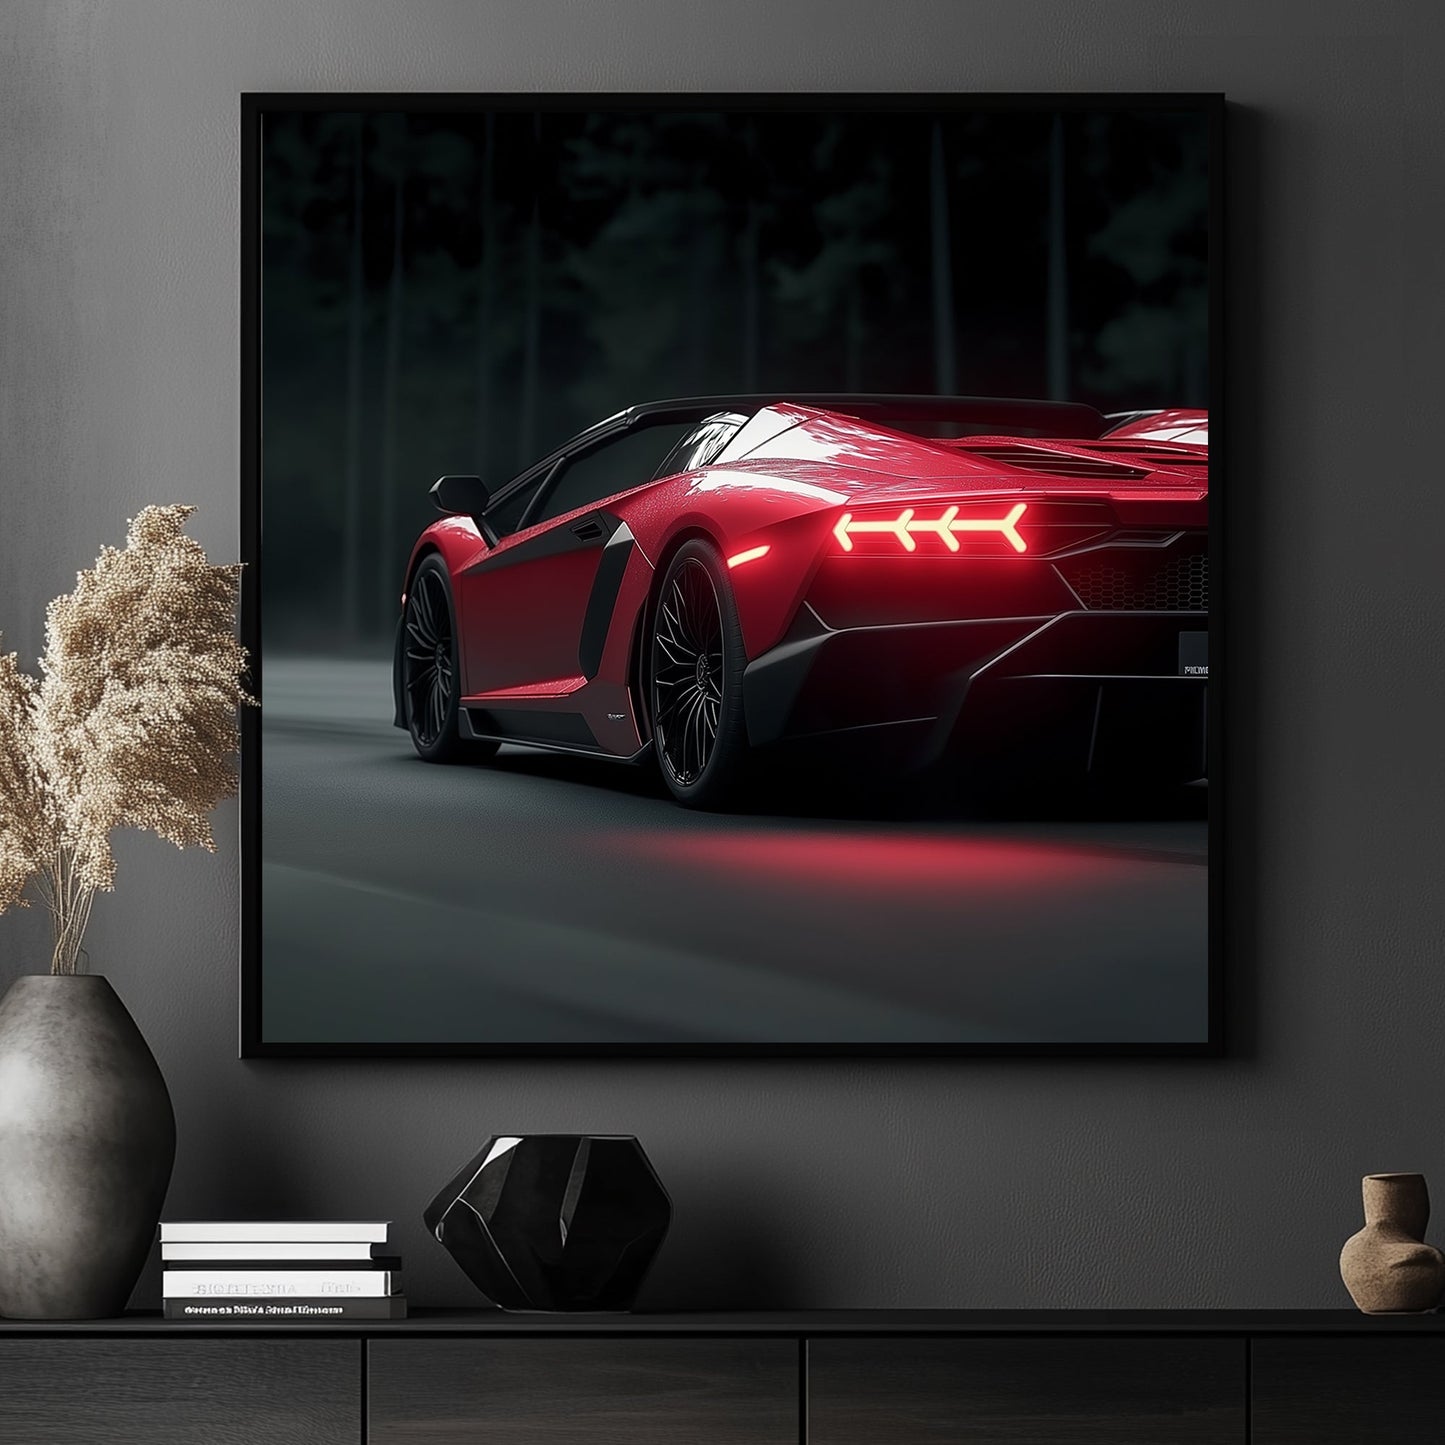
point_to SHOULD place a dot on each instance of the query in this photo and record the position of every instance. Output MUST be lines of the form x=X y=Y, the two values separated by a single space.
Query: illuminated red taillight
x=907 y=525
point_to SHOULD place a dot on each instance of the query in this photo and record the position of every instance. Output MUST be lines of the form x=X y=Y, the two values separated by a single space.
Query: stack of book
x=310 y=1270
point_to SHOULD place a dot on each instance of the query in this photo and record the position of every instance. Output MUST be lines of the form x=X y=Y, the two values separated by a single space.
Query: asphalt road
x=541 y=898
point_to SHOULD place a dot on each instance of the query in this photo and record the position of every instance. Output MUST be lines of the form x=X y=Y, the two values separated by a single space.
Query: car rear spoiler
x=1007 y=415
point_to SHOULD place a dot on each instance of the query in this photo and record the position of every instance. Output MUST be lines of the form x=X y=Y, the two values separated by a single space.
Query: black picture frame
x=254 y=107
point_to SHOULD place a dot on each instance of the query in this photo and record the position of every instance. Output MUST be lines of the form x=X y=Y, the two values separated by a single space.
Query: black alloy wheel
x=687 y=670
x=430 y=673
x=696 y=695
x=428 y=658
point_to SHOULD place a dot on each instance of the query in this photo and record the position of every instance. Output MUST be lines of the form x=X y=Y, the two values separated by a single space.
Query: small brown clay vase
x=1387 y=1267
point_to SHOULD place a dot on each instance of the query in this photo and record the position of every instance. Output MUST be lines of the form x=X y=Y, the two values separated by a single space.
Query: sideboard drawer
x=583 y=1392
x=1347 y=1392
x=121 y=1391
x=1036 y=1391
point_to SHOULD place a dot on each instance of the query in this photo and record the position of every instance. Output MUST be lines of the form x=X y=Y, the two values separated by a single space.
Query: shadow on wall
x=257 y=1175
x=1246 y=526
x=728 y=1256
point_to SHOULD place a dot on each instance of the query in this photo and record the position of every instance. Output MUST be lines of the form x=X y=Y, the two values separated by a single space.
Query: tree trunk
x=752 y=299
x=700 y=284
x=854 y=340
x=389 y=580
x=1195 y=368
x=486 y=300
x=531 y=325
x=356 y=318
x=945 y=361
x=1058 y=275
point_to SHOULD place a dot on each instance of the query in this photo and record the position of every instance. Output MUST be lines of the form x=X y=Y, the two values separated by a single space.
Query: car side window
x=505 y=516
x=699 y=445
x=619 y=465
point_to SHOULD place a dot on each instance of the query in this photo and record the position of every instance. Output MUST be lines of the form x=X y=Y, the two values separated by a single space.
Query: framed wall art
x=731 y=574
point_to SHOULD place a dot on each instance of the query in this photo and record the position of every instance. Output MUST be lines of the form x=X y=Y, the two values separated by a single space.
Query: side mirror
x=460 y=496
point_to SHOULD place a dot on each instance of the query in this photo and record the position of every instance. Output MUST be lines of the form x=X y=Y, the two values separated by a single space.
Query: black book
x=221 y=1250
x=379 y=1261
x=273 y=1311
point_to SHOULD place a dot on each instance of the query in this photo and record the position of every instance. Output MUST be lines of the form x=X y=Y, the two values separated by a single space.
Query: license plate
x=1193 y=654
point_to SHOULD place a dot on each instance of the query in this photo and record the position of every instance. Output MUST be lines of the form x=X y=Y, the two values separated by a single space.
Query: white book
x=278 y=1283
x=274 y=1231
x=321 y=1251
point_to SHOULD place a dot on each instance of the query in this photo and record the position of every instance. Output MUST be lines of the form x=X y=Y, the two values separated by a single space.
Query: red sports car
x=1020 y=585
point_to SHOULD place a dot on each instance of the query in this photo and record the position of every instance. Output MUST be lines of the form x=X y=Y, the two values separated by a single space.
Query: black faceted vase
x=555 y=1221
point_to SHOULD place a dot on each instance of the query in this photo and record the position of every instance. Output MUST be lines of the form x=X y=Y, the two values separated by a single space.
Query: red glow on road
x=897 y=864
x=751 y=555
x=906 y=525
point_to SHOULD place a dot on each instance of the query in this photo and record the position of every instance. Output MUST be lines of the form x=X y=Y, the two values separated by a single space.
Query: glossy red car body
x=888 y=584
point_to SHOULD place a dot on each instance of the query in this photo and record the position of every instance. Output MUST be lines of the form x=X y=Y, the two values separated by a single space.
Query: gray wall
x=830 y=1183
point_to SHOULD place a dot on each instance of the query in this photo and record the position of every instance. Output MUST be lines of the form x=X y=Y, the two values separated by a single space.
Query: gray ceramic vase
x=87 y=1140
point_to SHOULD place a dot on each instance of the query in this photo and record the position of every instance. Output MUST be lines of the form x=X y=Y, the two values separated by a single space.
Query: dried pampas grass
x=132 y=724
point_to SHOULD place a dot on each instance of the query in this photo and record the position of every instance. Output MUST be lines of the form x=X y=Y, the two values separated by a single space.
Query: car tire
x=695 y=672
x=431 y=671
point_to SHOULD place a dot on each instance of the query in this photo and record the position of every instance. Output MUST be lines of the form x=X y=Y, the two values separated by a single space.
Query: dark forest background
x=463 y=291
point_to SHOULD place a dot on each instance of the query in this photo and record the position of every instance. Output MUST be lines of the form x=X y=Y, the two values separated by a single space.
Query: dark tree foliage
x=517 y=276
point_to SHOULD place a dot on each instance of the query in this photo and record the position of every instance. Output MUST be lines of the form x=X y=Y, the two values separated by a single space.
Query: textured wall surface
x=860 y=1183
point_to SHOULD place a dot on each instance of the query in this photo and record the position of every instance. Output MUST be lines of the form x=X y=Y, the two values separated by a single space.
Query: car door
x=527 y=604
x=524 y=604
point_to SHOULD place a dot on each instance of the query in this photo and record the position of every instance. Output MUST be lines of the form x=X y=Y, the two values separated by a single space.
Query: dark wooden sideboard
x=926 y=1377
